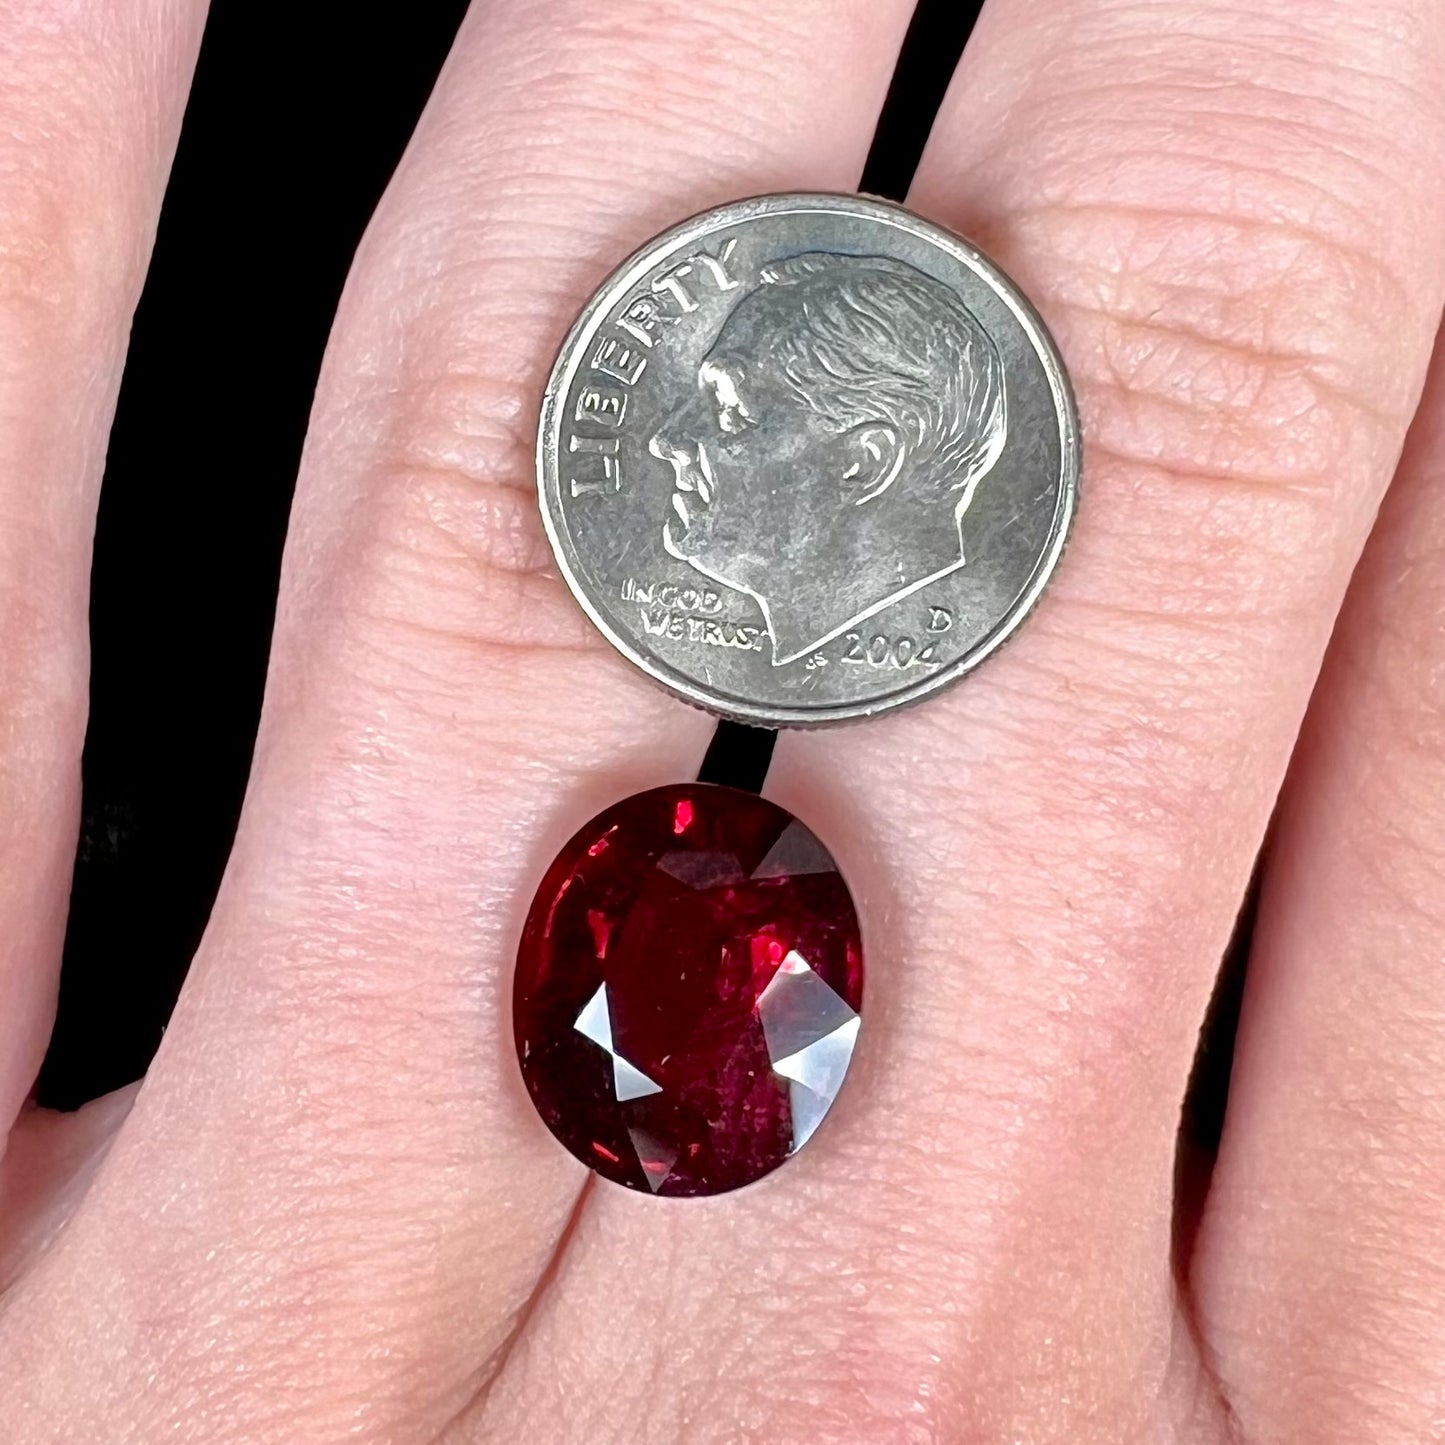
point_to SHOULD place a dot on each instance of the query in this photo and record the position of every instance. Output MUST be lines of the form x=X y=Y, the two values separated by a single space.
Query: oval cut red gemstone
x=688 y=989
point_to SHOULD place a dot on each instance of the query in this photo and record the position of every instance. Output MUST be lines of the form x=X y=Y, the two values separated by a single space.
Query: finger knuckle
x=663 y=49
x=450 y=543
x=1233 y=355
x=1234 y=263
x=68 y=222
x=45 y=255
x=1227 y=273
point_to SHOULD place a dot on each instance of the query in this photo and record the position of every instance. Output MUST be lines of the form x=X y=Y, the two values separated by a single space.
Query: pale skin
x=329 y=1213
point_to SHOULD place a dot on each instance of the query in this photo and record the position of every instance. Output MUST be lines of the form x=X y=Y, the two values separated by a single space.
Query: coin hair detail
x=883 y=342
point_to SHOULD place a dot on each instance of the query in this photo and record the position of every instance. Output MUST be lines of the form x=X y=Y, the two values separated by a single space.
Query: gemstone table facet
x=688 y=990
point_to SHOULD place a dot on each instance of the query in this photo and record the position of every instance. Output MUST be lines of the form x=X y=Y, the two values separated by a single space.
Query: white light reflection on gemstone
x=595 y=1023
x=796 y=852
x=798 y=1008
x=656 y=1160
x=815 y=1074
x=810 y=1033
x=701 y=870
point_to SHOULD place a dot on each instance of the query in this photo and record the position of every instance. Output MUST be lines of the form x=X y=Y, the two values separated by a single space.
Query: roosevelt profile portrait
x=843 y=417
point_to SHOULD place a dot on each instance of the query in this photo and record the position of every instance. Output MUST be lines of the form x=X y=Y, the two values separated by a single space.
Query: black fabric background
x=290 y=136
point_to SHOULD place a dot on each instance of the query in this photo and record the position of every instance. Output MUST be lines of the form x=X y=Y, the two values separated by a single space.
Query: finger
x=1319 y=1264
x=338 y=1084
x=50 y=1160
x=90 y=102
x=1228 y=218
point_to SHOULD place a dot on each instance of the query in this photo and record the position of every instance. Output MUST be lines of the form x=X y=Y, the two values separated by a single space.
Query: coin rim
x=568 y=362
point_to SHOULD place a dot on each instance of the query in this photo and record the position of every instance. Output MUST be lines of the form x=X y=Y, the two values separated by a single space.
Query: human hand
x=330 y=1212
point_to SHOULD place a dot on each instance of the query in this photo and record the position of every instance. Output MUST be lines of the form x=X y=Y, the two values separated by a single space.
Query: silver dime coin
x=805 y=458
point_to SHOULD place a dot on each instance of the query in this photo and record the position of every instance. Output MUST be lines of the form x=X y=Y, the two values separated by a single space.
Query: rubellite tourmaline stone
x=688 y=989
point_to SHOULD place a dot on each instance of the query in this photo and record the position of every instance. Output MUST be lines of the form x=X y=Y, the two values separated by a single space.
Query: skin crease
x=329 y=1213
